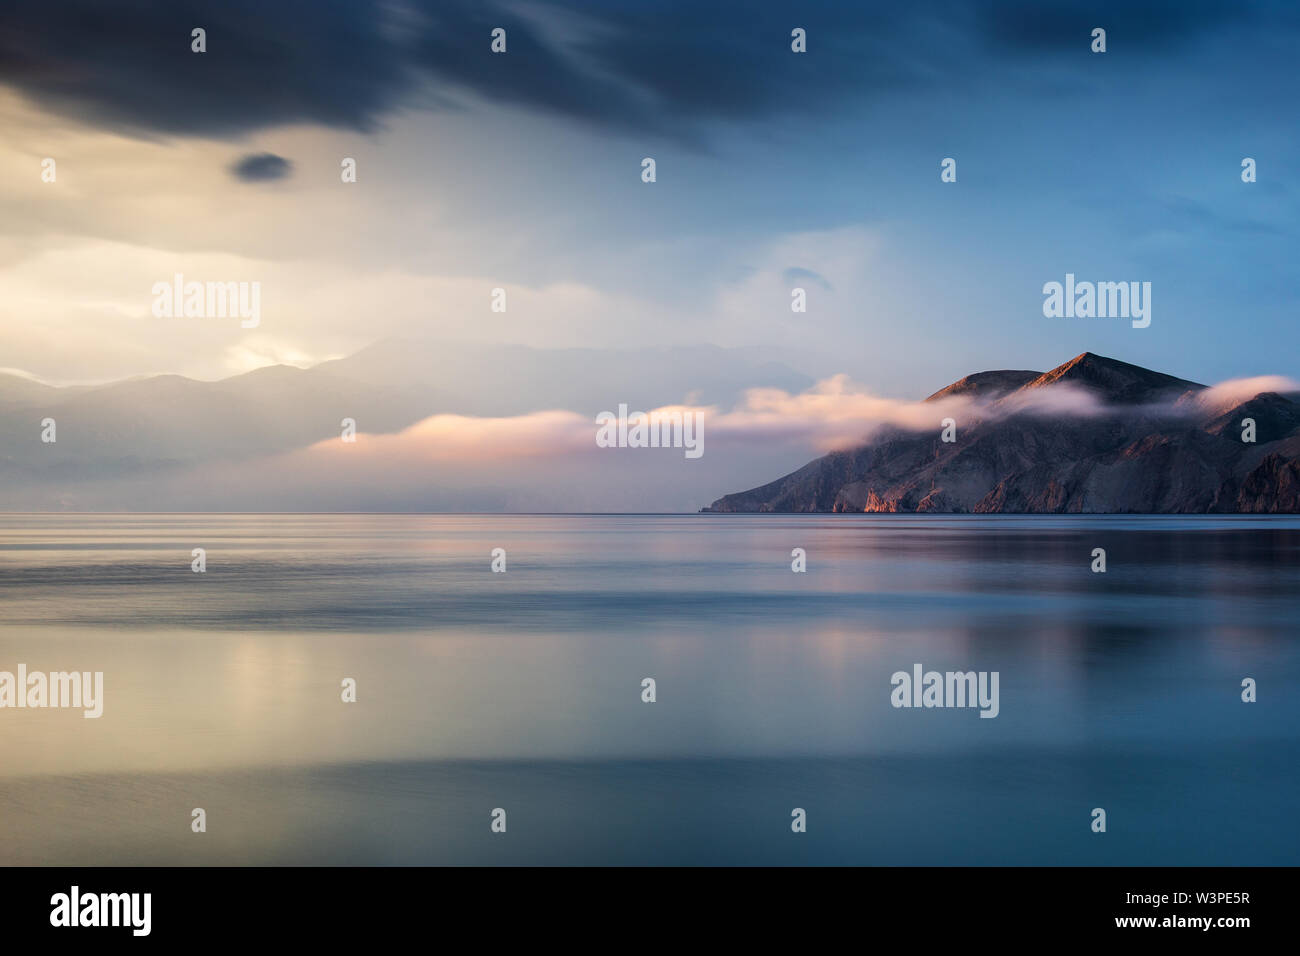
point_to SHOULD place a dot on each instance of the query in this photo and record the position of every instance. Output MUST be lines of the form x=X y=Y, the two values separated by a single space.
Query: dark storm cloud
x=667 y=66
x=1148 y=27
x=128 y=64
x=261 y=168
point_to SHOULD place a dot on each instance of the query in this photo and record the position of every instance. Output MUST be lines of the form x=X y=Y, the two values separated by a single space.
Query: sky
x=522 y=170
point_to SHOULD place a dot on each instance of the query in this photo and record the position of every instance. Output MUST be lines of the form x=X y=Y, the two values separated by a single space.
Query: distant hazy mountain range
x=1094 y=435
x=137 y=426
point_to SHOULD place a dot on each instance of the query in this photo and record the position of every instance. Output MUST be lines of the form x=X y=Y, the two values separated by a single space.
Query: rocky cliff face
x=1093 y=436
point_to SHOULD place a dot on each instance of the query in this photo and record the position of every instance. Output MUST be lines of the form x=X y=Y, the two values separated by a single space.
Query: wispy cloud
x=834 y=413
x=1225 y=395
x=465 y=440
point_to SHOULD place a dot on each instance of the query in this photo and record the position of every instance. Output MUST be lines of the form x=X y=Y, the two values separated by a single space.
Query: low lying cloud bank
x=835 y=413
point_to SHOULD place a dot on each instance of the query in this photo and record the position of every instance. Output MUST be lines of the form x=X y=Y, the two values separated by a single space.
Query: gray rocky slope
x=1094 y=435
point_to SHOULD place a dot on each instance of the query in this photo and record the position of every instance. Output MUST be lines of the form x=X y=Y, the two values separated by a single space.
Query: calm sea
x=523 y=690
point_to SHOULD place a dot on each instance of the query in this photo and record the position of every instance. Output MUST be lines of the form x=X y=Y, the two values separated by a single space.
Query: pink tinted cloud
x=834 y=413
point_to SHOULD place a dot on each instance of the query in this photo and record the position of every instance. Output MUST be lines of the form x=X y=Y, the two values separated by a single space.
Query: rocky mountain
x=1094 y=435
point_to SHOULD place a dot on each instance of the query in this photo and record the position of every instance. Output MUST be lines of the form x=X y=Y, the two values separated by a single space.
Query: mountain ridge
x=1114 y=438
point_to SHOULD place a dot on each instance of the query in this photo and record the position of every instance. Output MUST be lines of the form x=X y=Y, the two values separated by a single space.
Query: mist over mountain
x=1094 y=435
